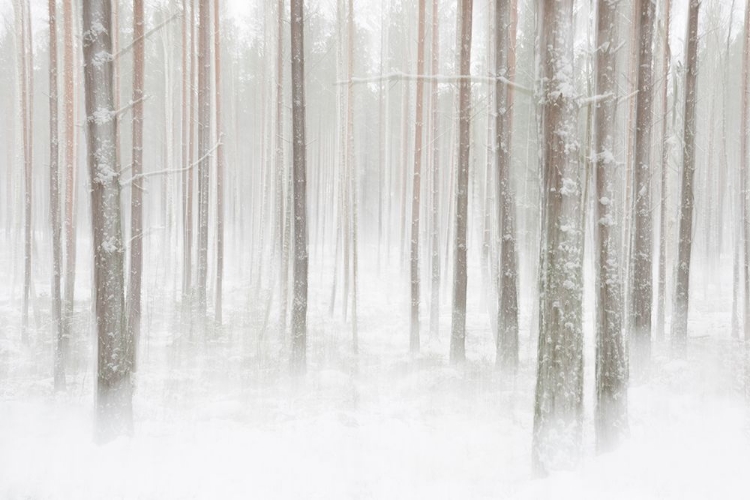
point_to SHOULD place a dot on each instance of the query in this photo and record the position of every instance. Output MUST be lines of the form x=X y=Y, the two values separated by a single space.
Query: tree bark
x=687 y=200
x=558 y=405
x=114 y=389
x=435 y=199
x=204 y=146
x=219 y=169
x=458 y=328
x=611 y=357
x=661 y=297
x=54 y=202
x=299 y=304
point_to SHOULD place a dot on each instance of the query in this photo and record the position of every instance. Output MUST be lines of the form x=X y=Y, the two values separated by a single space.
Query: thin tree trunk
x=682 y=282
x=54 y=201
x=204 y=139
x=458 y=328
x=507 y=313
x=114 y=388
x=661 y=298
x=416 y=185
x=558 y=405
x=435 y=199
x=136 y=188
x=744 y=206
x=299 y=305
x=70 y=169
x=220 y=168
x=352 y=172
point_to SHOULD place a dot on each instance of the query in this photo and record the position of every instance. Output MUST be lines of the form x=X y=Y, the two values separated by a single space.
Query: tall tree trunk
x=69 y=101
x=744 y=216
x=113 y=388
x=352 y=172
x=435 y=198
x=416 y=185
x=682 y=282
x=136 y=188
x=611 y=357
x=641 y=286
x=507 y=313
x=558 y=405
x=54 y=201
x=219 y=169
x=665 y=63
x=299 y=304
x=204 y=146
x=458 y=327
x=187 y=142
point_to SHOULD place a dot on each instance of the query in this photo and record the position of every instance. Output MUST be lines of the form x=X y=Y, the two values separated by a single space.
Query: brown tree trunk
x=558 y=405
x=219 y=170
x=114 y=389
x=458 y=328
x=435 y=198
x=204 y=146
x=682 y=282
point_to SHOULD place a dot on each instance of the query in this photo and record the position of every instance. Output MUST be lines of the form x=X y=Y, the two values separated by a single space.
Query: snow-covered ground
x=218 y=417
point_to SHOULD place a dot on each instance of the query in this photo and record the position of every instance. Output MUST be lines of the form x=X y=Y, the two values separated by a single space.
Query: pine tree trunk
x=219 y=169
x=507 y=313
x=435 y=199
x=299 y=304
x=744 y=205
x=687 y=200
x=113 y=388
x=661 y=298
x=611 y=357
x=204 y=146
x=416 y=185
x=641 y=286
x=558 y=405
x=136 y=188
x=458 y=327
x=54 y=202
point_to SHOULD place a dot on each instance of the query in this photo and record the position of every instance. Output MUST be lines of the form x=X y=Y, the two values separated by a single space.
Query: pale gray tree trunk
x=558 y=406
x=744 y=216
x=219 y=168
x=611 y=356
x=113 y=388
x=458 y=328
x=204 y=146
x=299 y=180
x=661 y=297
x=54 y=202
x=435 y=198
x=687 y=199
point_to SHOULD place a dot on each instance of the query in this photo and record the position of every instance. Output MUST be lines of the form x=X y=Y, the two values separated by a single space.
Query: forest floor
x=217 y=417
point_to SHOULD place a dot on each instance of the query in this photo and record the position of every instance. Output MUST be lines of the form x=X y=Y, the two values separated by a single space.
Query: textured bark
x=611 y=356
x=187 y=149
x=54 y=202
x=641 y=286
x=507 y=312
x=417 y=184
x=136 y=189
x=299 y=176
x=687 y=200
x=458 y=327
x=558 y=405
x=665 y=63
x=204 y=145
x=219 y=169
x=744 y=205
x=352 y=173
x=113 y=388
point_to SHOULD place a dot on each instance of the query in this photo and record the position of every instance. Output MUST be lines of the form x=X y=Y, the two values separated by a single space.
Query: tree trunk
x=54 y=201
x=641 y=286
x=744 y=215
x=352 y=172
x=299 y=304
x=114 y=389
x=558 y=405
x=682 y=282
x=458 y=328
x=435 y=199
x=219 y=169
x=611 y=357
x=416 y=185
x=507 y=313
x=204 y=146
x=661 y=298
x=136 y=188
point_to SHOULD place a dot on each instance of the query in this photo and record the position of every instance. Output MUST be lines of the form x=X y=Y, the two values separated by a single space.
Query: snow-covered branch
x=171 y=170
x=398 y=75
